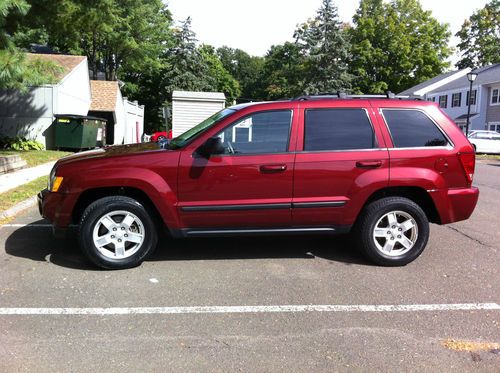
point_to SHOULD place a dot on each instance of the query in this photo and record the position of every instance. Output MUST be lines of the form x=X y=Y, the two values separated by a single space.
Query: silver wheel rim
x=118 y=234
x=395 y=233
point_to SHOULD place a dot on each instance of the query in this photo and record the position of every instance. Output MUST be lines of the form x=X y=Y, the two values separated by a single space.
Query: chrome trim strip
x=262 y=206
x=340 y=151
x=300 y=205
x=257 y=206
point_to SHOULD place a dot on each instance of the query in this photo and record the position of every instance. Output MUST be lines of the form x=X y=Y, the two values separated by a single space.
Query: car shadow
x=37 y=243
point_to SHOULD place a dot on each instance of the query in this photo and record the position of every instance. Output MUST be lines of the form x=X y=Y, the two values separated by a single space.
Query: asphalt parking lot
x=260 y=304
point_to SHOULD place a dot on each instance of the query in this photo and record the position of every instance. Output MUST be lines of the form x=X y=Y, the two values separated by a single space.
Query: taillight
x=468 y=161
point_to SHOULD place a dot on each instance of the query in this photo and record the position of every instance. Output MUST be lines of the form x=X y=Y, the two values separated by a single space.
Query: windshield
x=183 y=139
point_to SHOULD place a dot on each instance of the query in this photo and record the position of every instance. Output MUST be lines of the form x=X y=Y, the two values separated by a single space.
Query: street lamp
x=471 y=76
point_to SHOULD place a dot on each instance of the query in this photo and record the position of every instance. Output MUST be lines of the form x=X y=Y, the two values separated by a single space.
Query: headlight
x=54 y=181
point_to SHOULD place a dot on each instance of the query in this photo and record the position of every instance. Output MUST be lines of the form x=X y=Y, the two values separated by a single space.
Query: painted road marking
x=249 y=309
x=25 y=225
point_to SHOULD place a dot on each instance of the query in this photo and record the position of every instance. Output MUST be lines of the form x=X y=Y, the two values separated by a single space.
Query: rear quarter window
x=413 y=128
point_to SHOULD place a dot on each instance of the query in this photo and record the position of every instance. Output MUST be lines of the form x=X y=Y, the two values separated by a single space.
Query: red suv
x=383 y=168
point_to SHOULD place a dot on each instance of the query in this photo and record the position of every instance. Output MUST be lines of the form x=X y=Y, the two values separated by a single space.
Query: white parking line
x=25 y=225
x=250 y=309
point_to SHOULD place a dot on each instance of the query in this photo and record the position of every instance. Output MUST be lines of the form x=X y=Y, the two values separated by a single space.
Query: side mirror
x=211 y=147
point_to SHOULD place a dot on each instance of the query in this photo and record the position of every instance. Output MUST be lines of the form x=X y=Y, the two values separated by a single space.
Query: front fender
x=149 y=182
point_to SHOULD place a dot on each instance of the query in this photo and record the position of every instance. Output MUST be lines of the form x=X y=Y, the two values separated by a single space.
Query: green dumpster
x=79 y=132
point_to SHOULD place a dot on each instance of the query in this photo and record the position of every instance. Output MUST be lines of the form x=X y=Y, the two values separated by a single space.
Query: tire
x=116 y=233
x=392 y=231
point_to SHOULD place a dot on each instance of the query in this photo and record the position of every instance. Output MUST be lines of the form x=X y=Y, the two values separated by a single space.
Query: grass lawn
x=36 y=157
x=488 y=156
x=22 y=192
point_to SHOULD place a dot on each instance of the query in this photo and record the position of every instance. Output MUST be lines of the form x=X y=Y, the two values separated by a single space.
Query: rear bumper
x=455 y=204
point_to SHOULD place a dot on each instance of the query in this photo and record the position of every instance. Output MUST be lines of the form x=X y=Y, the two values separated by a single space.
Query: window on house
x=413 y=128
x=494 y=127
x=443 y=101
x=456 y=99
x=337 y=129
x=495 y=96
x=472 y=97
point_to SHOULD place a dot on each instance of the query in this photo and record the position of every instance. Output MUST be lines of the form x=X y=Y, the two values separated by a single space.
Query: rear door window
x=337 y=129
x=412 y=128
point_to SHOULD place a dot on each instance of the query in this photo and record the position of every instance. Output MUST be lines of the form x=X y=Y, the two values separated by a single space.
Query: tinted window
x=337 y=129
x=412 y=128
x=264 y=132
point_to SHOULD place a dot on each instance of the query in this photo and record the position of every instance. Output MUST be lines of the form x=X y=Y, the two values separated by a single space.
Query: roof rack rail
x=343 y=95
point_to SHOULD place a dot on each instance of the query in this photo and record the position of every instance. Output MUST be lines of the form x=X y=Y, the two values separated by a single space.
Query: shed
x=191 y=108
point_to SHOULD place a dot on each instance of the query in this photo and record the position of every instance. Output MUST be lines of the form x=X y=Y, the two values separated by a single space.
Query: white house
x=191 y=108
x=125 y=119
x=32 y=114
x=451 y=92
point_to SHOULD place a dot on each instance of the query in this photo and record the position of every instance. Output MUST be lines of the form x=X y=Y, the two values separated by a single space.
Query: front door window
x=260 y=133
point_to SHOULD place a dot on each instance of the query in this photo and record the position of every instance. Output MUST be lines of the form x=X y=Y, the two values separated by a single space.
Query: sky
x=256 y=25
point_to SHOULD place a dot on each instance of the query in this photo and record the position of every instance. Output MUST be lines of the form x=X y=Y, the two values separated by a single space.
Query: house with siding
x=124 y=118
x=32 y=114
x=451 y=92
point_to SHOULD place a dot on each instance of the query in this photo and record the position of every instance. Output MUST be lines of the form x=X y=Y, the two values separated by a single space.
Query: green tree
x=223 y=80
x=284 y=71
x=10 y=7
x=181 y=66
x=326 y=47
x=396 y=45
x=16 y=71
x=185 y=67
x=111 y=33
x=246 y=69
x=480 y=37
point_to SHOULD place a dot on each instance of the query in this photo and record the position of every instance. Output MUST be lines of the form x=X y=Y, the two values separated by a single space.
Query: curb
x=16 y=209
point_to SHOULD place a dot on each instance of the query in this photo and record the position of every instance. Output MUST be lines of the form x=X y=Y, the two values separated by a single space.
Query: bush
x=19 y=143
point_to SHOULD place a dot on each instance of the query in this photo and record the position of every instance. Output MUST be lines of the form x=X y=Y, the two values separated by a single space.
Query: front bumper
x=54 y=207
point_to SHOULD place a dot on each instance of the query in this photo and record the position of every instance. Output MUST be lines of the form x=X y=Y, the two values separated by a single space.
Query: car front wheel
x=392 y=231
x=117 y=232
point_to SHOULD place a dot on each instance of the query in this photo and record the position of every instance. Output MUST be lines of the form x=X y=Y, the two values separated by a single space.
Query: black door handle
x=368 y=164
x=272 y=168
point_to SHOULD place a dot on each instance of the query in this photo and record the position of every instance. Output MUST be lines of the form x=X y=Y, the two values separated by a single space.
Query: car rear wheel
x=117 y=232
x=392 y=231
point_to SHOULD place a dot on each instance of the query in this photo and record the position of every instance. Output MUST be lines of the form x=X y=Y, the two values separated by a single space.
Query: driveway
x=261 y=304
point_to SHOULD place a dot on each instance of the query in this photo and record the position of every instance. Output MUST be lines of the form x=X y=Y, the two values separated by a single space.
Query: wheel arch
x=93 y=194
x=415 y=194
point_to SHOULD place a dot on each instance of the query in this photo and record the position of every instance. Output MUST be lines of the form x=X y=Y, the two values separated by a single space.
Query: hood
x=111 y=151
